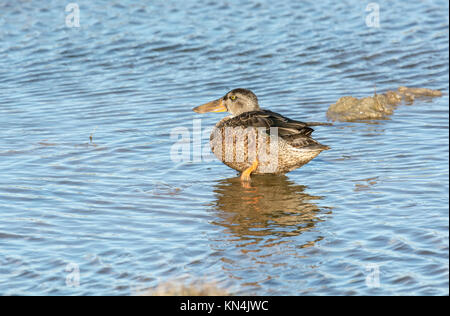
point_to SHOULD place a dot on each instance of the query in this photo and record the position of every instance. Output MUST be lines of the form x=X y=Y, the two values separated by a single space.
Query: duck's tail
x=317 y=124
x=318 y=147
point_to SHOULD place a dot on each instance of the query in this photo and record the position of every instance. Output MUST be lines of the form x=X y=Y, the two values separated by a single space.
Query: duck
x=252 y=140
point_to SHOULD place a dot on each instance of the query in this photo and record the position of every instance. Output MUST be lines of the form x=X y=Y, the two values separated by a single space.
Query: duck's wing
x=268 y=119
x=296 y=133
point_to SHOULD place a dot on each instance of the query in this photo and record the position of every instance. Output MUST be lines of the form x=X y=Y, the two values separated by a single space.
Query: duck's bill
x=213 y=106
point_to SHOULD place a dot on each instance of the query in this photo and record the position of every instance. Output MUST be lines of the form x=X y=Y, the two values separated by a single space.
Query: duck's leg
x=246 y=174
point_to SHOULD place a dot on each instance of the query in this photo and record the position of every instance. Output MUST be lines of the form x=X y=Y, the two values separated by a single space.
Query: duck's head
x=236 y=102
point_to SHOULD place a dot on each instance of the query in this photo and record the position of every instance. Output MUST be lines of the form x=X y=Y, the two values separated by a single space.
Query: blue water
x=116 y=215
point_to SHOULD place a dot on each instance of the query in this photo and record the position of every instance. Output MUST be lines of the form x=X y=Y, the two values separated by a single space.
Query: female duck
x=253 y=140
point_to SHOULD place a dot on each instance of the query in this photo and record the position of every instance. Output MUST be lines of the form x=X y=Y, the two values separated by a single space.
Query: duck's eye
x=233 y=97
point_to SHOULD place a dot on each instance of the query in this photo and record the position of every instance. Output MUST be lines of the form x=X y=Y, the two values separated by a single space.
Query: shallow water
x=368 y=217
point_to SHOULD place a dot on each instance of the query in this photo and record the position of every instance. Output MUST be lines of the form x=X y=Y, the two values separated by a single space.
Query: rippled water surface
x=368 y=217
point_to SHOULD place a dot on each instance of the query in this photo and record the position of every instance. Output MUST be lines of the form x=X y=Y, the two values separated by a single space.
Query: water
x=368 y=217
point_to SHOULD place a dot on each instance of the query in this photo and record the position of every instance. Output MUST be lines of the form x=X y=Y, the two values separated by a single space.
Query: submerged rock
x=352 y=109
x=198 y=288
x=420 y=91
x=393 y=97
x=376 y=107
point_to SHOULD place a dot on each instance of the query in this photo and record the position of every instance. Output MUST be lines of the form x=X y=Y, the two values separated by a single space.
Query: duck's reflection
x=272 y=206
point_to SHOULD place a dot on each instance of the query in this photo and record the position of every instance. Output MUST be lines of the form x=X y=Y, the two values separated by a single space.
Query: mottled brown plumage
x=237 y=140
